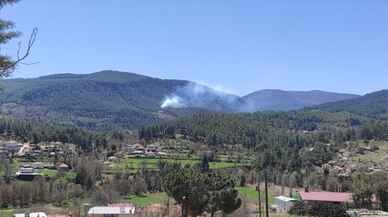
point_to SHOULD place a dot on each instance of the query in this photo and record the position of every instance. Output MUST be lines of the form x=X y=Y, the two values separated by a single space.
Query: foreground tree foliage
x=7 y=64
x=199 y=192
x=319 y=209
x=57 y=191
x=367 y=185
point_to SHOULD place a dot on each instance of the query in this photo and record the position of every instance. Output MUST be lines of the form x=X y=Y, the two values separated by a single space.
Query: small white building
x=135 y=149
x=111 y=211
x=32 y=214
x=283 y=203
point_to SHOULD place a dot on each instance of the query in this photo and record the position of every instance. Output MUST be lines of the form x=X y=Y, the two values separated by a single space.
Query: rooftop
x=32 y=214
x=286 y=199
x=110 y=210
x=325 y=196
x=129 y=205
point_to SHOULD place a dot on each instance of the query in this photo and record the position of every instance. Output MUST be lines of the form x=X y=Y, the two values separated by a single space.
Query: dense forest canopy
x=283 y=141
x=37 y=131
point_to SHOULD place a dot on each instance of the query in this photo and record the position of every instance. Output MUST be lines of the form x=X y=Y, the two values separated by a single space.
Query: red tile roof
x=325 y=196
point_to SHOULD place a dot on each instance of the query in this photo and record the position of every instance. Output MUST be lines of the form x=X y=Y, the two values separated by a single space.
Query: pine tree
x=8 y=64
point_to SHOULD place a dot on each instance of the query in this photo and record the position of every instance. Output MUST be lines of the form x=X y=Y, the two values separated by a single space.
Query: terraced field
x=152 y=163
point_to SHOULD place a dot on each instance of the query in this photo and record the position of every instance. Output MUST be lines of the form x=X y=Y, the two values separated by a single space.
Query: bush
x=318 y=209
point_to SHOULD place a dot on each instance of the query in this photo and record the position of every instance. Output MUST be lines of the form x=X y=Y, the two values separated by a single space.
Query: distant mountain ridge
x=109 y=100
x=373 y=105
x=103 y=100
x=281 y=100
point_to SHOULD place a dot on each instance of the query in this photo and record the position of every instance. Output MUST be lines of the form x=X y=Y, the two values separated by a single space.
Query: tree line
x=37 y=131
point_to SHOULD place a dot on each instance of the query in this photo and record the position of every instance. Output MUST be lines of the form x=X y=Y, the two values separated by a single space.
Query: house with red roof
x=325 y=196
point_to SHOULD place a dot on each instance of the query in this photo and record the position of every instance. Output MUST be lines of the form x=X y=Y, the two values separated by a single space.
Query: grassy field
x=282 y=215
x=251 y=194
x=49 y=173
x=6 y=212
x=148 y=199
x=152 y=163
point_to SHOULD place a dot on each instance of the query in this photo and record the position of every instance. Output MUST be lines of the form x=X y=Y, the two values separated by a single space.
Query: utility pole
x=259 y=195
x=266 y=194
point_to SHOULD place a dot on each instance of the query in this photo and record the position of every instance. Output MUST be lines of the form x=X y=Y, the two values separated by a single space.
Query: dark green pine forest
x=111 y=100
x=286 y=141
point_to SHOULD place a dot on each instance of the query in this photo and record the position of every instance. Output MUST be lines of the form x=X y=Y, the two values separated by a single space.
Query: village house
x=283 y=203
x=113 y=159
x=27 y=172
x=32 y=214
x=62 y=168
x=113 y=210
x=326 y=197
x=135 y=149
x=11 y=147
x=37 y=165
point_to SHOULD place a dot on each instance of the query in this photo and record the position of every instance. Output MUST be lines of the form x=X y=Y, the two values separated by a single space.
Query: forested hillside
x=111 y=100
x=284 y=141
x=373 y=105
x=359 y=118
x=280 y=100
x=37 y=131
x=103 y=100
x=260 y=128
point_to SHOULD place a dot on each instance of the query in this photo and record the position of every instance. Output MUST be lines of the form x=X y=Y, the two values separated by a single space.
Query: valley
x=193 y=108
x=310 y=148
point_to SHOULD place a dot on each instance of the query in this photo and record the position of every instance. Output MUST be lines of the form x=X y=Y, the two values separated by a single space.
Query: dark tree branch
x=30 y=44
x=9 y=65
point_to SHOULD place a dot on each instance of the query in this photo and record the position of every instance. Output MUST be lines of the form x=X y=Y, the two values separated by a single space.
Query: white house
x=32 y=214
x=111 y=211
x=283 y=203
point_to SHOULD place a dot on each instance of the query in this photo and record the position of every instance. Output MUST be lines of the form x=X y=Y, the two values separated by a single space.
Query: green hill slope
x=373 y=105
x=102 y=100
x=106 y=100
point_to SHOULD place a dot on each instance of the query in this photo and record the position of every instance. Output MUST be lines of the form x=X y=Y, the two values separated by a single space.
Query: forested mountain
x=280 y=100
x=373 y=105
x=104 y=100
x=109 y=100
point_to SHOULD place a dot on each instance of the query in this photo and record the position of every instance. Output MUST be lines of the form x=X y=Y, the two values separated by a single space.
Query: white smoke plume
x=201 y=96
x=173 y=102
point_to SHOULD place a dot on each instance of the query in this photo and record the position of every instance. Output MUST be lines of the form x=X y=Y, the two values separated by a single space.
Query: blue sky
x=240 y=46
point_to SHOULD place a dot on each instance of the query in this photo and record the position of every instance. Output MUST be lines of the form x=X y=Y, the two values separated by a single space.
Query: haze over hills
x=281 y=100
x=110 y=99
